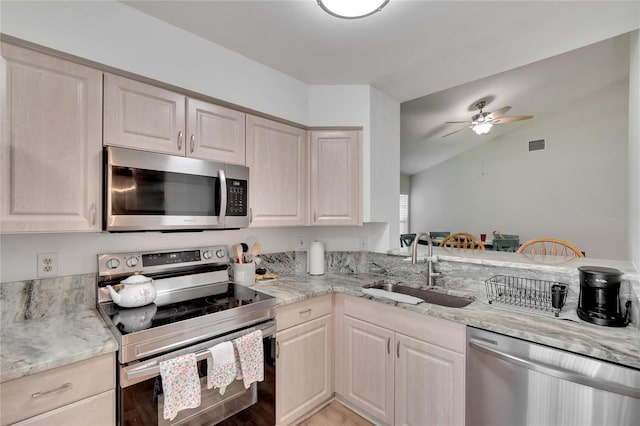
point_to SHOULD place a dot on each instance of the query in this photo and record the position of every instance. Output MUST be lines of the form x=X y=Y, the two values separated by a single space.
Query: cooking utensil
x=237 y=249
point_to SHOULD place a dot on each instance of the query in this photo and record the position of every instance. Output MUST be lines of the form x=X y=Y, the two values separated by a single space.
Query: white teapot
x=137 y=290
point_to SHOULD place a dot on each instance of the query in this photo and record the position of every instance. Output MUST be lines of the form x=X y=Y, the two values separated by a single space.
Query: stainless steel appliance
x=599 y=301
x=515 y=382
x=145 y=191
x=196 y=307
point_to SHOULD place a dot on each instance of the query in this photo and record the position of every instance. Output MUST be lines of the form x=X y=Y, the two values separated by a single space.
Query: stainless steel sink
x=429 y=296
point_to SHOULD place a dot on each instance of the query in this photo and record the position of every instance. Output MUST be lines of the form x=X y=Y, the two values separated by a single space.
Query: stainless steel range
x=196 y=307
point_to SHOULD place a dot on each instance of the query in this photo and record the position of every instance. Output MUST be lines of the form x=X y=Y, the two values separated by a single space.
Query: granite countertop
x=618 y=345
x=35 y=345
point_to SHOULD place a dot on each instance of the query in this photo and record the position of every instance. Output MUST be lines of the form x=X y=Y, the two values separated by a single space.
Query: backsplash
x=290 y=262
x=34 y=299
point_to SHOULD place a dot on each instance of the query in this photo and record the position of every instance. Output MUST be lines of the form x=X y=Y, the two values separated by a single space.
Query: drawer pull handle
x=59 y=389
x=398 y=349
x=306 y=311
x=389 y=345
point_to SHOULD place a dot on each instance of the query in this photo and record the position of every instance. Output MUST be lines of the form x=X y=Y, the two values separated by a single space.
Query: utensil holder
x=244 y=273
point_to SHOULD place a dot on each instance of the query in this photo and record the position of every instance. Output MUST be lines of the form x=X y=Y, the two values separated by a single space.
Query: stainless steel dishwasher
x=516 y=382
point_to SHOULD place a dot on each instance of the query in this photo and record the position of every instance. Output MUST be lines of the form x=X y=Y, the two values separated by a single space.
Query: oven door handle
x=151 y=368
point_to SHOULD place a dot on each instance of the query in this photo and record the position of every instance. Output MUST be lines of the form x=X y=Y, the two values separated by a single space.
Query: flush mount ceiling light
x=352 y=9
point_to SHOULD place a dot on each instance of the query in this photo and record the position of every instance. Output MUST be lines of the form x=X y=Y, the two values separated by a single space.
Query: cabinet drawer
x=297 y=313
x=36 y=394
x=97 y=410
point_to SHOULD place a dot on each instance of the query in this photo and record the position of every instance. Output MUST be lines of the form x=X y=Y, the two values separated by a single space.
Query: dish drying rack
x=526 y=293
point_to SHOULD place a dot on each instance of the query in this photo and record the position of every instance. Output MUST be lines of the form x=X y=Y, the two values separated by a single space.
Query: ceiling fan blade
x=457 y=122
x=510 y=119
x=456 y=131
x=498 y=113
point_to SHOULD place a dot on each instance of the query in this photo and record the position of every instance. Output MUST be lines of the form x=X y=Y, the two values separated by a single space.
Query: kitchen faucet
x=430 y=258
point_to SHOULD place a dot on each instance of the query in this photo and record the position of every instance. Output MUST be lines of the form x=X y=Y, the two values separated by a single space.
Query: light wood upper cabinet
x=150 y=118
x=51 y=143
x=277 y=160
x=142 y=116
x=215 y=132
x=335 y=184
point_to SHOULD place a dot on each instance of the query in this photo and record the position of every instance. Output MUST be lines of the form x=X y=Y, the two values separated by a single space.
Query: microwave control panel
x=237 y=194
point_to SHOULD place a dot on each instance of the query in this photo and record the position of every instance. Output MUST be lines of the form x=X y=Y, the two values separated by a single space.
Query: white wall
x=573 y=190
x=405 y=184
x=119 y=36
x=634 y=150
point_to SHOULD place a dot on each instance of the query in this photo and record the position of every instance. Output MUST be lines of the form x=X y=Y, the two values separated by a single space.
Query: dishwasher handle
x=556 y=371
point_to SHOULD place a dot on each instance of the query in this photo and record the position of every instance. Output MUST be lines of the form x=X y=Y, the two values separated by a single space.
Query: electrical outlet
x=302 y=244
x=363 y=243
x=47 y=265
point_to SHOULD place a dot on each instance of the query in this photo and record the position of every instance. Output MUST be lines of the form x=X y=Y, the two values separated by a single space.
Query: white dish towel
x=398 y=297
x=180 y=384
x=251 y=356
x=221 y=369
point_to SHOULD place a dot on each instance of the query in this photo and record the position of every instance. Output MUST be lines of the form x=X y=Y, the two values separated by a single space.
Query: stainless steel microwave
x=145 y=191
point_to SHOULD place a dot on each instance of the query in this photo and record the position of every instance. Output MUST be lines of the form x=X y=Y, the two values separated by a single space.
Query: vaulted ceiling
x=436 y=57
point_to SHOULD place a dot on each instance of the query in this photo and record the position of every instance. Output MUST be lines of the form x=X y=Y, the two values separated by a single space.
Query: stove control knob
x=221 y=253
x=207 y=254
x=132 y=262
x=113 y=263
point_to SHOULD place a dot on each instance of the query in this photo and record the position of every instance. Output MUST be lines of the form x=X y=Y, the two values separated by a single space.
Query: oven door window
x=151 y=192
x=143 y=403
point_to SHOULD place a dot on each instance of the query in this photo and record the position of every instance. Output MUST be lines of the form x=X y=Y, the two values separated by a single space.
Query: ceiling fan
x=482 y=122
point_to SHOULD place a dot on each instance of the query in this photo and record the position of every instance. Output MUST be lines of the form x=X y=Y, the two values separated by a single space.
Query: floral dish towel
x=180 y=384
x=251 y=356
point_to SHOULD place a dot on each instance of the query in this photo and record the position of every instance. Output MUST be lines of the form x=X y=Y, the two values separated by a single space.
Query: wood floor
x=335 y=414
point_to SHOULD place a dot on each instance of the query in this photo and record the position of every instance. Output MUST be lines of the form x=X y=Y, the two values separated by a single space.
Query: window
x=404 y=213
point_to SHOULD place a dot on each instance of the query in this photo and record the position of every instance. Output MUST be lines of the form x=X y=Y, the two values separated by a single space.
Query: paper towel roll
x=315 y=258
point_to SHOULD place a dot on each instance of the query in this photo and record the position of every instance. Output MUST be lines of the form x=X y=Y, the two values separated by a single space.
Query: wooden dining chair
x=550 y=246
x=462 y=240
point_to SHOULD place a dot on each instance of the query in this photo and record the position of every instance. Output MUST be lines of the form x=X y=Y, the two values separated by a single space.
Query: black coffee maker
x=600 y=297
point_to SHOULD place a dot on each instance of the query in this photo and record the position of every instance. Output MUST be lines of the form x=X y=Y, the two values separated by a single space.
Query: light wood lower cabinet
x=76 y=394
x=429 y=384
x=411 y=378
x=303 y=359
x=368 y=358
x=51 y=143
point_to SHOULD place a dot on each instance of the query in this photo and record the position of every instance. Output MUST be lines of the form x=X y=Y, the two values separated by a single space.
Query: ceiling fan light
x=352 y=9
x=482 y=128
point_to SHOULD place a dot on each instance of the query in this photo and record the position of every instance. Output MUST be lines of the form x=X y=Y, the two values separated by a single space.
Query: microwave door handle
x=223 y=198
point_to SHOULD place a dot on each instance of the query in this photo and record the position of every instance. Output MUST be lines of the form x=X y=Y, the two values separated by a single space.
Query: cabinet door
x=276 y=157
x=429 y=384
x=51 y=143
x=215 y=132
x=303 y=369
x=141 y=116
x=335 y=178
x=368 y=354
